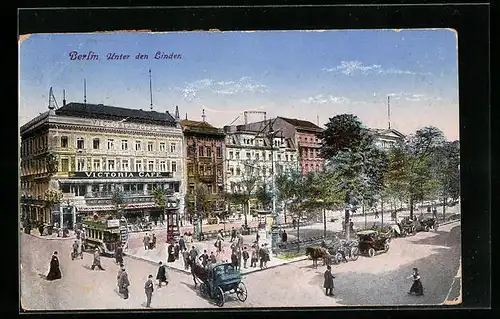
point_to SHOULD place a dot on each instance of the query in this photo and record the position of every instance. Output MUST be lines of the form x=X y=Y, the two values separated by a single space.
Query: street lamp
x=275 y=227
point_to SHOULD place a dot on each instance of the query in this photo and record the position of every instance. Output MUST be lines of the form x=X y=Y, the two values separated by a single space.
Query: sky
x=309 y=75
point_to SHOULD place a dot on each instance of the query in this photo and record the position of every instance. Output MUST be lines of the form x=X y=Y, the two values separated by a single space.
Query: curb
x=51 y=238
x=244 y=274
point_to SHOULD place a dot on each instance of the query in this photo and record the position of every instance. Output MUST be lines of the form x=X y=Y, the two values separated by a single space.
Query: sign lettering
x=120 y=174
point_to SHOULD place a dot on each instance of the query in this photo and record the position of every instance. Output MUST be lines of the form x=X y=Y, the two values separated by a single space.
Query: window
x=238 y=171
x=172 y=147
x=209 y=170
x=80 y=143
x=174 y=166
x=64 y=165
x=210 y=188
x=202 y=170
x=291 y=157
x=111 y=165
x=162 y=147
x=80 y=164
x=64 y=141
x=138 y=165
x=190 y=169
x=163 y=166
x=231 y=170
x=151 y=166
x=279 y=157
x=150 y=146
x=270 y=156
x=125 y=166
x=124 y=145
x=200 y=151
x=95 y=144
x=249 y=155
x=219 y=151
x=111 y=144
x=230 y=155
x=96 y=165
x=257 y=156
x=138 y=145
x=209 y=151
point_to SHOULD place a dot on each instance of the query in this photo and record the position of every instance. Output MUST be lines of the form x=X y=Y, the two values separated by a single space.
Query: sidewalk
x=36 y=233
x=160 y=254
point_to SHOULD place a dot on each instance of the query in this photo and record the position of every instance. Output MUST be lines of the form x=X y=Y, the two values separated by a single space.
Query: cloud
x=323 y=99
x=244 y=84
x=357 y=67
x=411 y=97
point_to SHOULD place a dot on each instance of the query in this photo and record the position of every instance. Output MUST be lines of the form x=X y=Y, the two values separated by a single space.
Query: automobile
x=371 y=242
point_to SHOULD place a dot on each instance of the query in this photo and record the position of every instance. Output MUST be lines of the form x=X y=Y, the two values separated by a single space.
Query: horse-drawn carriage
x=219 y=279
x=371 y=242
x=333 y=251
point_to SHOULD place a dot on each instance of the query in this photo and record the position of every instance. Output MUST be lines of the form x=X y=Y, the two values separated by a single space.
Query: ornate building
x=87 y=151
x=304 y=135
x=387 y=138
x=205 y=150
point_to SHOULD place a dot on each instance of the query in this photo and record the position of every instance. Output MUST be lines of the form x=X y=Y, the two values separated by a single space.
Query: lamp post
x=275 y=227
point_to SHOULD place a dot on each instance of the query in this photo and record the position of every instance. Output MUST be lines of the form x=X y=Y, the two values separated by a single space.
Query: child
x=328 y=284
x=245 y=257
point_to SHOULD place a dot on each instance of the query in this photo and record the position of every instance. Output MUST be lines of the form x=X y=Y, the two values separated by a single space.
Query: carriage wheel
x=204 y=289
x=219 y=296
x=354 y=253
x=386 y=248
x=371 y=252
x=241 y=292
x=338 y=258
x=436 y=226
x=426 y=228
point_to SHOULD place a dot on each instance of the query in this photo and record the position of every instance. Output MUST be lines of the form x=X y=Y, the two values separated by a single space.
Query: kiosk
x=172 y=217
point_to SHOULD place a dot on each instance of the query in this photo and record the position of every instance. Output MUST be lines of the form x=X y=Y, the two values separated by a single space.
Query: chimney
x=186 y=116
x=64 y=97
x=177 y=118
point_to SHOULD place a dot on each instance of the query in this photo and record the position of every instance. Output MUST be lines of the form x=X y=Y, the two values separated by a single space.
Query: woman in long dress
x=417 y=287
x=171 y=256
x=55 y=271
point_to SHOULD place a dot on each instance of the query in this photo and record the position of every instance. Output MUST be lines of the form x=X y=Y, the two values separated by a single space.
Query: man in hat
x=123 y=283
x=97 y=260
x=161 y=276
x=119 y=254
x=148 y=289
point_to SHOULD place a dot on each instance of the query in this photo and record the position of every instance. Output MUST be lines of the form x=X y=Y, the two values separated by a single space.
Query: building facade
x=205 y=162
x=89 y=152
x=387 y=138
x=304 y=134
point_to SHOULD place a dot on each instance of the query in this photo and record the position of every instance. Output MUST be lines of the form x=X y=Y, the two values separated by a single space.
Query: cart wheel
x=338 y=258
x=204 y=289
x=371 y=252
x=219 y=296
x=386 y=248
x=241 y=292
x=426 y=228
x=436 y=225
x=354 y=253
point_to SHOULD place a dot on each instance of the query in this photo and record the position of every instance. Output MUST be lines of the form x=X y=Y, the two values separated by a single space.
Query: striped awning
x=112 y=207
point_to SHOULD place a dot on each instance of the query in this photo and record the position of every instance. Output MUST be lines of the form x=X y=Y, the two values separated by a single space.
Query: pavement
x=380 y=280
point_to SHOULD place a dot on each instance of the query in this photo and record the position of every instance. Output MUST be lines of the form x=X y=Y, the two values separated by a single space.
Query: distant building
x=387 y=138
x=93 y=150
x=205 y=162
x=304 y=135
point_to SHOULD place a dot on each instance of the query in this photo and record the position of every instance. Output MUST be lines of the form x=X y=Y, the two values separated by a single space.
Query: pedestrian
x=120 y=271
x=261 y=256
x=233 y=234
x=124 y=283
x=245 y=257
x=54 y=270
x=75 y=250
x=218 y=242
x=119 y=254
x=328 y=284
x=152 y=242
x=185 y=257
x=146 y=241
x=254 y=257
x=239 y=256
x=434 y=213
x=284 y=236
x=97 y=260
x=257 y=237
x=161 y=276
x=204 y=258
x=294 y=223
x=176 y=251
x=213 y=259
x=240 y=240
x=416 y=287
x=182 y=244
x=193 y=253
x=266 y=255
x=234 y=259
x=351 y=225
x=148 y=289
x=171 y=256
x=376 y=214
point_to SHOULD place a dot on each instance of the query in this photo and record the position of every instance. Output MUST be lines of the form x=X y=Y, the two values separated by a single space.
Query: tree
x=264 y=196
x=159 y=199
x=243 y=191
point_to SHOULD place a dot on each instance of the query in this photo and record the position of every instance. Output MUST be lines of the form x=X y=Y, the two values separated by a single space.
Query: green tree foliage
x=118 y=200
x=264 y=196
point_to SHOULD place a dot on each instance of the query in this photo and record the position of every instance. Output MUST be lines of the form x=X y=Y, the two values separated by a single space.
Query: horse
x=316 y=252
x=197 y=271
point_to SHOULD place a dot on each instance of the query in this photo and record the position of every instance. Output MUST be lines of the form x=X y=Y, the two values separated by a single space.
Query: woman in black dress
x=55 y=271
x=417 y=285
x=171 y=256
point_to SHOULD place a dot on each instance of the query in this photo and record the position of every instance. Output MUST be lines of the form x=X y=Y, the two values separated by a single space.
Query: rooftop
x=107 y=112
x=199 y=127
x=301 y=124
